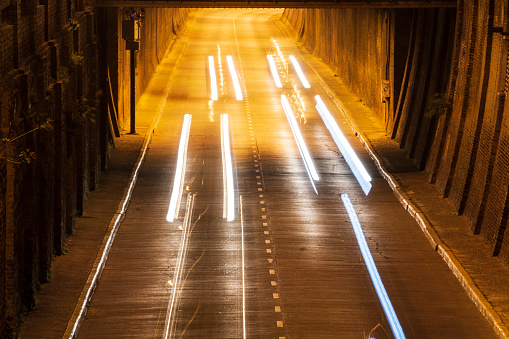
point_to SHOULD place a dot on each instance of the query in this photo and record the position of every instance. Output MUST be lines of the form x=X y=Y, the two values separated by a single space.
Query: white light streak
x=227 y=168
x=220 y=66
x=178 y=180
x=235 y=78
x=213 y=81
x=397 y=330
x=243 y=272
x=349 y=155
x=179 y=269
x=301 y=75
x=304 y=152
x=273 y=69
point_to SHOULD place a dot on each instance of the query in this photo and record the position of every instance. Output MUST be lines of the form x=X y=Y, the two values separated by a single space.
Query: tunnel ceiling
x=276 y=4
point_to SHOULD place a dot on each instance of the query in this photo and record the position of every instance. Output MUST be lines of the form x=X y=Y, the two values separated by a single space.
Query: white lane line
x=303 y=150
x=373 y=272
x=346 y=150
x=235 y=77
x=301 y=75
x=243 y=271
x=273 y=70
x=179 y=269
x=178 y=180
x=227 y=168
x=213 y=81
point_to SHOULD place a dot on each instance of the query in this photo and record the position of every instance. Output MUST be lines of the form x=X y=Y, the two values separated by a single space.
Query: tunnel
x=418 y=88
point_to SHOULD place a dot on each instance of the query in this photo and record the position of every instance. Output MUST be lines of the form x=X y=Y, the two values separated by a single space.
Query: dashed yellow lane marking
x=257 y=177
x=270 y=261
x=279 y=324
x=273 y=283
x=265 y=224
x=275 y=295
x=269 y=250
x=265 y=232
x=261 y=195
x=272 y=272
x=258 y=183
x=263 y=209
x=262 y=202
x=267 y=241
x=277 y=308
x=260 y=189
x=264 y=217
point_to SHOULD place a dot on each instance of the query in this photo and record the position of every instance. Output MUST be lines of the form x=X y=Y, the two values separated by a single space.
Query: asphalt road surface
x=288 y=264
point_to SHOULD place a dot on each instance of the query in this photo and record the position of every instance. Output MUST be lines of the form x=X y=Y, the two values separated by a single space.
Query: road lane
x=304 y=274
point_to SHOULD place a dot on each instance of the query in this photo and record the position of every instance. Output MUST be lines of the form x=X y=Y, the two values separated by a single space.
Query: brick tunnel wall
x=448 y=72
x=159 y=29
x=53 y=88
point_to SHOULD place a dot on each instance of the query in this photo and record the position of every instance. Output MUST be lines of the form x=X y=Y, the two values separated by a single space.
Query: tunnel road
x=257 y=245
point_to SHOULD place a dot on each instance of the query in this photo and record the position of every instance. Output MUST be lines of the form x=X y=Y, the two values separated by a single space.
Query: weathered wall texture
x=158 y=30
x=54 y=137
x=448 y=71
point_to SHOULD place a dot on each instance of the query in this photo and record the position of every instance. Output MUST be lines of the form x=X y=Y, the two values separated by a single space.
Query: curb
x=457 y=269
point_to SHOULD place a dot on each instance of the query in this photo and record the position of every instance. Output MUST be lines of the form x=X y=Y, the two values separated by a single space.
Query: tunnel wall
x=448 y=74
x=55 y=134
x=51 y=151
x=159 y=29
x=352 y=49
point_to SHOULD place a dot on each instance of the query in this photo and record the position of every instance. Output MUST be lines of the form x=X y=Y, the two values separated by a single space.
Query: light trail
x=178 y=180
x=213 y=81
x=227 y=168
x=273 y=69
x=301 y=75
x=220 y=66
x=304 y=152
x=179 y=268
x=397 y=330
x=243 y=272
x=346 y=150
x=235 y=78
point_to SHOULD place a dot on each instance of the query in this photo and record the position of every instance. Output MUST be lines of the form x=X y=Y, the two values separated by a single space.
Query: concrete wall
x=54 y=57
x=449 y=77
